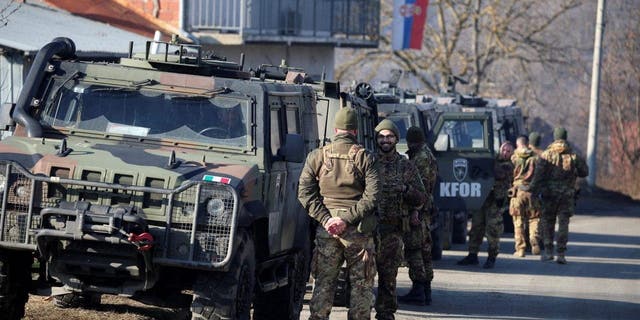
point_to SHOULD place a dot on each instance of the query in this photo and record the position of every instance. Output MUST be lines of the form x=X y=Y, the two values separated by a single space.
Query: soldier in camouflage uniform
x=402 y=194
x=417 y=243
x=339 y=187
x=558 y=167
x=488 y=221
x=524 y=207
x=534 y=143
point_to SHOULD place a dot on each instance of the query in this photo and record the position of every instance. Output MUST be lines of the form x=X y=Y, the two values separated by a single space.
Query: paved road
x=601 y=280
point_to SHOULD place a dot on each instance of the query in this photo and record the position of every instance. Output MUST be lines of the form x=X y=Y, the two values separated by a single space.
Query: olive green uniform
x=558 y=168
x=341 y=180
x=524 y=207
x=417 y=243
x=402 y=191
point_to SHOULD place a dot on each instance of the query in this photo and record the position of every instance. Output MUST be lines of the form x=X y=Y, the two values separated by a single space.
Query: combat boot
x=490 y=263
x=561 y=259
x=427 y=293
x=415 y=296
x=535 y=250
x=519 y=253
x=547 y=255
x=470 y=259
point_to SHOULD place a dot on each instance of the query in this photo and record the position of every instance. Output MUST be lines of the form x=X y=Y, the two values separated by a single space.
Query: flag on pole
x=409 y=17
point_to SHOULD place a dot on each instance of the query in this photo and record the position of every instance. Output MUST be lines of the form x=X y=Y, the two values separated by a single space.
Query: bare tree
x=470 y=37
x=6 y=10
x=620 y=103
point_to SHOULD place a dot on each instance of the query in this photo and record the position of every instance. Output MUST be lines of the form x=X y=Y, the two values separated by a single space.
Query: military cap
x=387 y=124
x=534 y=139
x=560 y=133
x=346 y=119
x=415 y=135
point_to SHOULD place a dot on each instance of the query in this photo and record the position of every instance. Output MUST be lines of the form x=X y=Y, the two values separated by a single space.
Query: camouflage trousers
x=558 y=208
x=525 y=210
x=389 y=255
x=417 y=252
x=328 y=256
x=521 y=223
x=487 y=222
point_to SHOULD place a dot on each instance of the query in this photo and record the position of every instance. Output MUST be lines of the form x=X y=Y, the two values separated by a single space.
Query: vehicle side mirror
x=442 y=143
x=293 y=149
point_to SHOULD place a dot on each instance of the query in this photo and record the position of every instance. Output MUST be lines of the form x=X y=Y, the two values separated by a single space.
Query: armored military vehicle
x=160 y=175
x=464 y=132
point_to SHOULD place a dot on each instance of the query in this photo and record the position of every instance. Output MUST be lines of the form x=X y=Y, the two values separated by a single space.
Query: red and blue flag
x=409 y=17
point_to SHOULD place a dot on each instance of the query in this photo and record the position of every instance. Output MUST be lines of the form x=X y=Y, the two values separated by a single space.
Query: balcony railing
x=351 y=23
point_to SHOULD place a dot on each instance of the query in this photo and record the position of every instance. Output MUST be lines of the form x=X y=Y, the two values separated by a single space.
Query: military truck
x=464 y=132
x=168 y=177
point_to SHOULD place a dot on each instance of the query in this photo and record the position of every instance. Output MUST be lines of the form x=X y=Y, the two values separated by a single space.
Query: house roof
x=29 y=26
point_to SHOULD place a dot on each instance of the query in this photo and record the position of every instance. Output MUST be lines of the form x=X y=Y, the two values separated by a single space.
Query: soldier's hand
x=415 y=218
x=335 y=226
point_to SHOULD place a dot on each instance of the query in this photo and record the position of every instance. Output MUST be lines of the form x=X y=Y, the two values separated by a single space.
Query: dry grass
x=111 y=308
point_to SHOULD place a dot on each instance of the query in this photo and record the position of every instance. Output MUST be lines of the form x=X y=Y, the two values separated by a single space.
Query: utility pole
x=592 y=142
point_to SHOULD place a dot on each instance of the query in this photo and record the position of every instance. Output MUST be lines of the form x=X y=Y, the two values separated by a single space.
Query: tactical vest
x=339 y=177
x=390 y=205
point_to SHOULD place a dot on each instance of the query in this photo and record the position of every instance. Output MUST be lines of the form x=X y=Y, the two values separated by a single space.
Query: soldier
x=339 y=187
x=558 y=167
x=488 y=221
x=401 y=197
x=534 y=143
x=524 y=207
x=417 y=243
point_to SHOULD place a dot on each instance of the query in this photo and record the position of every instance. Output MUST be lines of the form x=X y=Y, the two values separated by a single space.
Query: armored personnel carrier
x=161 y=175
x=465 y=133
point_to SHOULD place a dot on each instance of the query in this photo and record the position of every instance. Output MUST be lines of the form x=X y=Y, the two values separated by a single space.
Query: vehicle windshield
x=218 y=120
x=463 y=134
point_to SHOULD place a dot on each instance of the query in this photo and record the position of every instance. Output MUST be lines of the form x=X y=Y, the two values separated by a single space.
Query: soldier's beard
x=386 y=147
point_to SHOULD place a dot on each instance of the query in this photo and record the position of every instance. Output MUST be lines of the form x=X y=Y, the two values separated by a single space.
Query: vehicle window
x=276 y=141
x=463 y=134
x=221 y=119
x=293 y=124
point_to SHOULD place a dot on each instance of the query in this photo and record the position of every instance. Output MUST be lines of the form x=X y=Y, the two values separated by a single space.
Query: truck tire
x=459 y=230
x=77 y=300
x=436 y=244
x=227 y=295
x=15 y=280
x=285 y=303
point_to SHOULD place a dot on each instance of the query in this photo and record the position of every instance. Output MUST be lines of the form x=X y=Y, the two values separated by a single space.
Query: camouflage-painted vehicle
x=465 y=133
x=161 y=175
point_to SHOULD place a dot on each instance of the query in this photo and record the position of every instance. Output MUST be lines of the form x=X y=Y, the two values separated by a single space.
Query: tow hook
x=143 y=241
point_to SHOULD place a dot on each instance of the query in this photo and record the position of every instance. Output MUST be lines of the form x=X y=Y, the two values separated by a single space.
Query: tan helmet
x=387 y=124
x=346 y=119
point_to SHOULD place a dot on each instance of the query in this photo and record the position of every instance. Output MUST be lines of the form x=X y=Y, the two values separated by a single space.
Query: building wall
x=11 y=76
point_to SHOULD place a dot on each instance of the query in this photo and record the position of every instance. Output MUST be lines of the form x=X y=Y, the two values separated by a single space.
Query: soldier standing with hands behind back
x=558 y=167
x=401 y=197
x=339 y=187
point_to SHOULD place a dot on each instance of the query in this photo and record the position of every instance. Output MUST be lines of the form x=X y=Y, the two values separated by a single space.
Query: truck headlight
x=215 y=207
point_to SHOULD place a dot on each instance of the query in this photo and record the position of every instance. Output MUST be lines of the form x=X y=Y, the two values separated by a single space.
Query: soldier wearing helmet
x=488 y=221
x=417 y=243
x=339 y=188
x=402 y=195
x=558 y=168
